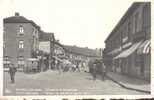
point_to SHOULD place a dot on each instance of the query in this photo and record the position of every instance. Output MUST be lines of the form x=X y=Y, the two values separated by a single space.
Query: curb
x=126 y=87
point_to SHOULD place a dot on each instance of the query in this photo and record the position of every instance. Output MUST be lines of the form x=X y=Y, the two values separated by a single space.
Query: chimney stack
x=16 y=14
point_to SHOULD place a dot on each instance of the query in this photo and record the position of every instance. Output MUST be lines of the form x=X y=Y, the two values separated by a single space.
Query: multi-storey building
x=21 y=39
x=127 y=48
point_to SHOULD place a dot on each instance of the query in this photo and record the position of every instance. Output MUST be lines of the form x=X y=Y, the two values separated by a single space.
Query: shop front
x=125 y=59
x=144 y=59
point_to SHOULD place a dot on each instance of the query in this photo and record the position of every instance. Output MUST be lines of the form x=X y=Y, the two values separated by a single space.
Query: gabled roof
x=81 y=50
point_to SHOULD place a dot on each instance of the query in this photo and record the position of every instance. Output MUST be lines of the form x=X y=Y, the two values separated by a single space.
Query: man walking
x=94 y=71
x=103 y=71
x=12 y=71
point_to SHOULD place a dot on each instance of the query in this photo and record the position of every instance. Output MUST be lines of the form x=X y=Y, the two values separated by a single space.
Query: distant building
x=81 y=54
x=59 y=53
x=21 y=39
x=127 y=48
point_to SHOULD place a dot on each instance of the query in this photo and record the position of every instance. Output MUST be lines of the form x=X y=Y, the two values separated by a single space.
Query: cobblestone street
x=52 y=83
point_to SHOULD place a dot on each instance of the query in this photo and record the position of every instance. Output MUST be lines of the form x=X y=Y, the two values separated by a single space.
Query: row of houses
x=24 y=39
x=127 y=48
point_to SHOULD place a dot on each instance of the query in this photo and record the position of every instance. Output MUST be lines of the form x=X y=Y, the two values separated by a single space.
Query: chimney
x=16 y=14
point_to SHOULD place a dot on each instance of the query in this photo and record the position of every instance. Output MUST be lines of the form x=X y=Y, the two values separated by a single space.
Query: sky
x=84 y=23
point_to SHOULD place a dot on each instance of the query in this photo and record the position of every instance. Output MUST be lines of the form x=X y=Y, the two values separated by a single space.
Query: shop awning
x=33 y=59
x=58 y=58
x=115 y=51
x=129 y=51
x=144 y=48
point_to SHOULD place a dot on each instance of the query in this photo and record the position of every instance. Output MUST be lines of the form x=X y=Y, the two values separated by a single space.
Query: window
x=136 y=22
x=35 y=32
x=146 y=16
x=6 y=60
x=4 y=30
x=21 y=60
x=4 y=44
x=129 y=30
x=21 y=44
x=21 y=29
x=139 y=60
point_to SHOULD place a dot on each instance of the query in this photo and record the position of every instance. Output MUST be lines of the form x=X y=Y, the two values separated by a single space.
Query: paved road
x=53 y=83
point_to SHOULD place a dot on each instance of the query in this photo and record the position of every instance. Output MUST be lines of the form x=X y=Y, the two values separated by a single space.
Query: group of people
x=95 y=67
x=98 y=67
x=66 y=65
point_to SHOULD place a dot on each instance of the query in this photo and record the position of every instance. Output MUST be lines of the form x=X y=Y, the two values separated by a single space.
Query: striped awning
x=129 y=51
x=115 y=51
x=144 y=48
x=57 y=58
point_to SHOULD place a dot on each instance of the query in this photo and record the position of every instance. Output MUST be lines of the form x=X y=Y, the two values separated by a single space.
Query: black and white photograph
x=76 y=47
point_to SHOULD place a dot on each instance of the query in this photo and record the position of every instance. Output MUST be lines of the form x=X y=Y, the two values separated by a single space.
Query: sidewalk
x=129 y=82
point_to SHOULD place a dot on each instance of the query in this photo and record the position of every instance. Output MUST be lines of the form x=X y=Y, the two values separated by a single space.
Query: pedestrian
x=94 y=71
x=77 y=66
x=60 y=67
x=103 y=71
x=73 y=67
x=12 y=71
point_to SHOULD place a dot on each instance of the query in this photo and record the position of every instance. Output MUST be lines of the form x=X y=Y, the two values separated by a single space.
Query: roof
x=16 y=19
x=44 y=36
x=80 y=50
x=19 y=19
x=128 y=13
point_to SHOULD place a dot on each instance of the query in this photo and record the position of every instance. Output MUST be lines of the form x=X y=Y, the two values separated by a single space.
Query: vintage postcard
x=76 y=47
